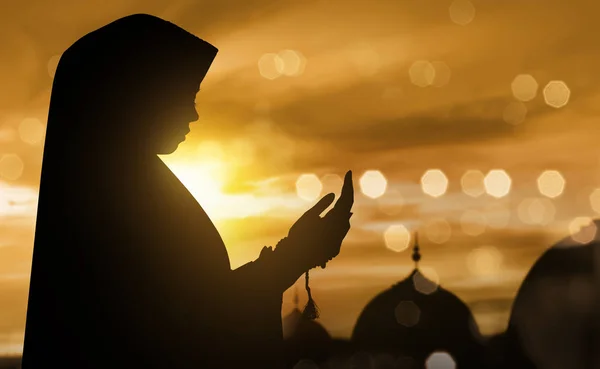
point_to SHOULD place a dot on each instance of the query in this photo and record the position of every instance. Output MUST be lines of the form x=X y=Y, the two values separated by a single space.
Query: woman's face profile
x=130 y=87
x=171 y=113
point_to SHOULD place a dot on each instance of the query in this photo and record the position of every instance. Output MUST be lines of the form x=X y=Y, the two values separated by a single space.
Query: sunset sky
x=318 y=87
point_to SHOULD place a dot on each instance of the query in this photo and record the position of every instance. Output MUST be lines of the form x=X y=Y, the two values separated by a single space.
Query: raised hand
x=338 y=219
x=308 y=225
x=319 y=239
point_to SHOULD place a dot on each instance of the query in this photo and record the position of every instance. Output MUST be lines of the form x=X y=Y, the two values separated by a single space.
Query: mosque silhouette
x=417 y=324
x=401 y=327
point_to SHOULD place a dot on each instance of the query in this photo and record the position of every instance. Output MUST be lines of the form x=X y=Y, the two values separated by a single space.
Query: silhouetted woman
x=128 y=270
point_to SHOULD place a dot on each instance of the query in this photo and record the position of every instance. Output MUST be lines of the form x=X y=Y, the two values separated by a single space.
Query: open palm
x=321 y=237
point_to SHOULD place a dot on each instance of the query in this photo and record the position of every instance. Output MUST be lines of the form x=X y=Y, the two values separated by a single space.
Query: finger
x=346 y=199
x=320 y=206
x=348 y=190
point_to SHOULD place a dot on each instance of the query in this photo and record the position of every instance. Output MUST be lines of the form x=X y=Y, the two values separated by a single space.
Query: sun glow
x=206 y=178
x=205 y=182
x=17 y=200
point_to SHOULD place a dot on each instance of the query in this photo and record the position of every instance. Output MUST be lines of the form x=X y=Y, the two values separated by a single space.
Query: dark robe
x=128 y=271
x=134 y=272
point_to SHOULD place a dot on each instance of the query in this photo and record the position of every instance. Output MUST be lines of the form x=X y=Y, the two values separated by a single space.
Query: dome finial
x=416 y=256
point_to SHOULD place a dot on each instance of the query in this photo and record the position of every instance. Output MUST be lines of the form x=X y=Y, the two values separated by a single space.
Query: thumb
x=321 y=205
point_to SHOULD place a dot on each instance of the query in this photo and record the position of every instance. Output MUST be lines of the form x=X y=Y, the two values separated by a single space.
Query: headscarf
x=103 y=89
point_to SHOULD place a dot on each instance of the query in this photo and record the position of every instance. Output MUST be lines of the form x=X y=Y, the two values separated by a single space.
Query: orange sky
x=356 y=103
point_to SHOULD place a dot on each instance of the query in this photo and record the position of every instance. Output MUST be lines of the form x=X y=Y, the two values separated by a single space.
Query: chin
x=168 y=149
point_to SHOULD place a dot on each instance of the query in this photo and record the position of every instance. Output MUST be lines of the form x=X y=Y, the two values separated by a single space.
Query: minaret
x=416 y=256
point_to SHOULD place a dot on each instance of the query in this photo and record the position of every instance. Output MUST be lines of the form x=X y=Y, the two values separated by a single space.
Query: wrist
x=292 y=255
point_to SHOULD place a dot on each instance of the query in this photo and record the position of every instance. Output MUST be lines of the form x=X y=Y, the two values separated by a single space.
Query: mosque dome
x=305 y=339
x=555 y=314
x=416 y=318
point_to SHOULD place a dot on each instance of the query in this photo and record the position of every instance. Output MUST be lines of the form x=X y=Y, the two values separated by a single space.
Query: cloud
x=346 y=113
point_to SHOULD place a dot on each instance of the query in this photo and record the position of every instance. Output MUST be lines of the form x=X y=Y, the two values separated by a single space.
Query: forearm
x=274 y=270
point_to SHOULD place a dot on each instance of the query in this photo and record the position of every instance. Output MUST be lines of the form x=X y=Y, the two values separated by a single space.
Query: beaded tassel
x=311 y=311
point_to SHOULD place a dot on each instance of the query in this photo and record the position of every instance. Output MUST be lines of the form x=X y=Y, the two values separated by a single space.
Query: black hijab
x=105 y=84
x=100 y=119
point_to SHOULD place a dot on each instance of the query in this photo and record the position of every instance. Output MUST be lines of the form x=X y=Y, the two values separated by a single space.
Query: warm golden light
x=438 y=230
x=422 y=73
x=557 y=94
x=536 y=211
x=31 y=131
x=583 y=230
x=365 y=59
x=293 y=62
x=261 y=127
x=434 y=183
x=373 y=184
x=7 y=134
x=442 y=74
x=11 y=167
x=322 y=87
x=524 y=87
x=595 y=200
x=497 y=183
x=392 y=202
x=332 y=183
x=392 y=93
x=210 y=151
x=242 y=150
x=5 y=200
x=407 y=313
x=397 y=238
x=205 y=180
x=472 y=183
x=440 y=360
x=497 y=215
x=484 y=261
x=209 y=171
x=270 y=66
x=515 y=113
x=462 y=12
x=309 y=187
x=17 y=201
x=52 y=65
x=551 y=183
x=262 y=107
x=473 y=223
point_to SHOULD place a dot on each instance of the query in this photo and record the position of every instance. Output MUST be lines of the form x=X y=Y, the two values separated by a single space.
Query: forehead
x=175 y=81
